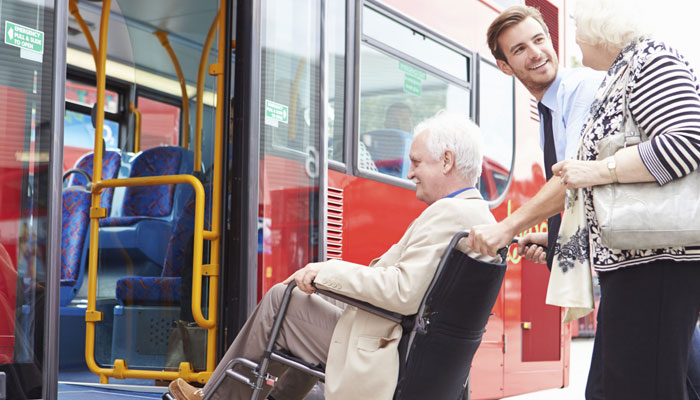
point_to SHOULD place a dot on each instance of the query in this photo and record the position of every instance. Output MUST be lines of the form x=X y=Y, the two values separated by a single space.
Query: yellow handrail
x=163 y=38
x=73 y=8
x=96 y=212
x=213 y=271
x=120 y=370
x=200 y=94
x=137 y=126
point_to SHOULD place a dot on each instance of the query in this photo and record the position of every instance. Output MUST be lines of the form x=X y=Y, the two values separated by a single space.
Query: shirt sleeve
x=577 y=106
x=664 y=102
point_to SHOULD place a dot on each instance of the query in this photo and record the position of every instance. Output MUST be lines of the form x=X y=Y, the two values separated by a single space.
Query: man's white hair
x=612 y=23
x=455 y=132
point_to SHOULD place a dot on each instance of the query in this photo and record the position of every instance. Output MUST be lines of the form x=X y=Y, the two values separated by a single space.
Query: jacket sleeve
x=399 y=280
x=664 y=101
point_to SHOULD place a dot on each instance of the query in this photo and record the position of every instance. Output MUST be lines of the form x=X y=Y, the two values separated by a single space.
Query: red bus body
x=525 y=347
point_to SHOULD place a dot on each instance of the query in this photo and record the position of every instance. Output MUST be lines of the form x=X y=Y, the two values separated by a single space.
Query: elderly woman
x=651 y=297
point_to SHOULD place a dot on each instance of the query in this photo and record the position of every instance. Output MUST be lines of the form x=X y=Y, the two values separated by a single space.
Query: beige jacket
x=363 y=360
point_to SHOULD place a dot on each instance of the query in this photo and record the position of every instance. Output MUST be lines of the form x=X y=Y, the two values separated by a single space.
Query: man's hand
x=304 y=277
x=488 y=239
x=532 y=245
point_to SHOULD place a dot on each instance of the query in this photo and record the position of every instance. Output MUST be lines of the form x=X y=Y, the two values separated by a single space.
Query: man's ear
x=448 y=161
x=504 y=67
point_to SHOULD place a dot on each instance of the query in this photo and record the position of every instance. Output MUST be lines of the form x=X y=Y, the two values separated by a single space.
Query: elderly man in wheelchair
x=361 y=350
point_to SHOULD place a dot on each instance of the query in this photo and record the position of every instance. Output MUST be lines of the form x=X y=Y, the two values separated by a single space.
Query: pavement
x=581 y=350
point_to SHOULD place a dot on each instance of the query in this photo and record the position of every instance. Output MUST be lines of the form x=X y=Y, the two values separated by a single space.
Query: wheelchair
x=438 y=342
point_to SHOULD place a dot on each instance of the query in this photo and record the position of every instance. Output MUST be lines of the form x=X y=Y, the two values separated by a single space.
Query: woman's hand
x=576 y=174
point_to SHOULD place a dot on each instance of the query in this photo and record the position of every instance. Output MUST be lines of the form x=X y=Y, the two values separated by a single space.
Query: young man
x=445 y=165
x=520 y=42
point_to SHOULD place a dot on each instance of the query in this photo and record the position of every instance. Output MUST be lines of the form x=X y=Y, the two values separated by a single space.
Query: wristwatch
x=611 y=168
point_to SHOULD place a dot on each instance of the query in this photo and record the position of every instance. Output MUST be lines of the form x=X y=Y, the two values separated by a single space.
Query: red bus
x=240 y=141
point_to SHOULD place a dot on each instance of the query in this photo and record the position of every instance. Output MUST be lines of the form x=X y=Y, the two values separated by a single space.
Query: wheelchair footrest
x=317 y=370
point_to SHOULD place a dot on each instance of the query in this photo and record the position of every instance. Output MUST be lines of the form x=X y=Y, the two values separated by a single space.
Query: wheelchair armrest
x=362 y=305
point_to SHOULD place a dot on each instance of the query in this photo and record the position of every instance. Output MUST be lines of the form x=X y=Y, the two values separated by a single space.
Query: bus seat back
x=110 y=168
x=75 y=221
x=167 y=288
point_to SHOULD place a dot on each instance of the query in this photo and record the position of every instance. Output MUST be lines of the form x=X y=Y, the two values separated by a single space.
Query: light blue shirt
x=569 y=98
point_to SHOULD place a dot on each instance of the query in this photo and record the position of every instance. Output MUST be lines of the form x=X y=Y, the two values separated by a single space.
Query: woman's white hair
x=611 y=23
x=455 y=132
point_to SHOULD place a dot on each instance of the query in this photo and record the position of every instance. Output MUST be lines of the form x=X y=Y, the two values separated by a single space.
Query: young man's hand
x=532 y=247
x=305 y=277
x=488 y=239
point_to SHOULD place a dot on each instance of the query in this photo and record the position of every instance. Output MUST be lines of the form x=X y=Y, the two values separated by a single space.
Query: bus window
x=394 y=96
x=495 y=117
x=336 y=77
x=405 y=77
x=160 y=123
x=86 y=95
x=79 y=134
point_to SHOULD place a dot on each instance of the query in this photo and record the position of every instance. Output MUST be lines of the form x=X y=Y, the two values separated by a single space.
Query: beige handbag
x=645 y=215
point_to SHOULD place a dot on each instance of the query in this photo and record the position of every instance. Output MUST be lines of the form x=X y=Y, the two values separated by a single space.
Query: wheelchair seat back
x=449 y=330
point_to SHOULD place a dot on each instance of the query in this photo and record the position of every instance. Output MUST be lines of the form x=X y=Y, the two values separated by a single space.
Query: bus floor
x=81 y=384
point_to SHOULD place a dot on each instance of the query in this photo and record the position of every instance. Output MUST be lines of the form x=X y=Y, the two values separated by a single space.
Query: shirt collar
x=549 y=99
x=453 y=194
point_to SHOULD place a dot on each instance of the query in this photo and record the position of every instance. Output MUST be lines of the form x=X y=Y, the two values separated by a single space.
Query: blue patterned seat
x=141 y=202
x=74 y=226
x=110 y=168
x=166 y=289
x=143 y=217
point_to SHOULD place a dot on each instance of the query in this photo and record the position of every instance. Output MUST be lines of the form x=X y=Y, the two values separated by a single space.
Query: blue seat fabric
x=110 y=167
x=166 y=289
x=74 y=226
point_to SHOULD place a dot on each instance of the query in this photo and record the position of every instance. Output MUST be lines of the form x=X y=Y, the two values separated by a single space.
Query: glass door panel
x=25 y=138
x=290 y=131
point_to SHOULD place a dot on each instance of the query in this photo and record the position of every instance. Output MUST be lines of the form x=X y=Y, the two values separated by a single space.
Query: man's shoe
x=184 y=391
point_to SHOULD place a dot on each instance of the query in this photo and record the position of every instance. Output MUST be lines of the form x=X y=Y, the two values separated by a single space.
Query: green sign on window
x=276 y=113
x=412 y=71
x=24 y=38
x=412 y=85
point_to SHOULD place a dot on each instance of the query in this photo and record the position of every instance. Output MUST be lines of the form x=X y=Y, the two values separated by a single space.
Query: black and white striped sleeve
x=665 y=103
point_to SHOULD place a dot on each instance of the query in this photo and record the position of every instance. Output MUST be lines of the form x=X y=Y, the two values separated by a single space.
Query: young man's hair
x=511 y=16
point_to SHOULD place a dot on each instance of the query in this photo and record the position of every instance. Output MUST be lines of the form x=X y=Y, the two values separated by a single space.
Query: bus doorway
x=147 y=99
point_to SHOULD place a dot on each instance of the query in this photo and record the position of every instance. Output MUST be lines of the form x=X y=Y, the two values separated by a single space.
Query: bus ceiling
x=134 y=53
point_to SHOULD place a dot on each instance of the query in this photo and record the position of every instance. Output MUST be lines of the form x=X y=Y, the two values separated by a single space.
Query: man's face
x=398 y=119
x=530 y=56
x=426 y=172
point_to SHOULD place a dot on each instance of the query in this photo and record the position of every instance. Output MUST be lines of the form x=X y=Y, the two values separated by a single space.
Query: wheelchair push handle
x=514 y=241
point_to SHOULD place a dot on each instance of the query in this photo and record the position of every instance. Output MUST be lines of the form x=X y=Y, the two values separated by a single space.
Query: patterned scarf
x=570 y=282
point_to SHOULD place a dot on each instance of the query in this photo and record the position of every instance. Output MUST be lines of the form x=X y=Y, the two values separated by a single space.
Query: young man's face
x=530 y=56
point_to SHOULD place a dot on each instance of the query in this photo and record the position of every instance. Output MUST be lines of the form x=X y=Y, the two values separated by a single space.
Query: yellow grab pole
x=73 y=8
x=200 y=94
x=137 y=126
x=216 y=190
x=212 y=270
x=96 y=212
x=163 y=38
x=120 y=370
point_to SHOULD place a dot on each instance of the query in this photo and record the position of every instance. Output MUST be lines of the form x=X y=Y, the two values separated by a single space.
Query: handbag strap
x=633 y=132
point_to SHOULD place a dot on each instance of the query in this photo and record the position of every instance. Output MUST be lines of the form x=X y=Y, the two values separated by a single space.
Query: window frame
x=493 y=203
x=360 y=38
x=123 y=89
x=162 y=98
